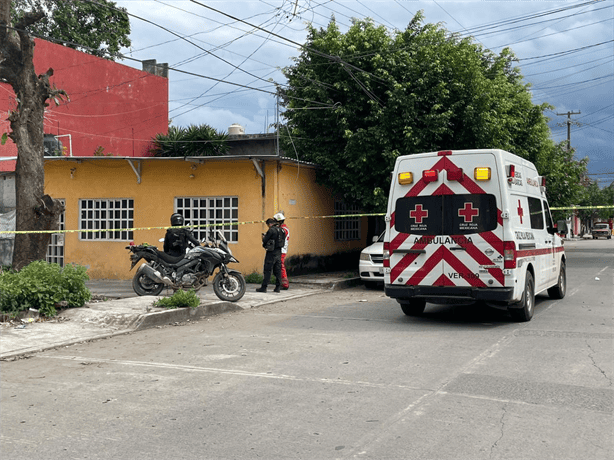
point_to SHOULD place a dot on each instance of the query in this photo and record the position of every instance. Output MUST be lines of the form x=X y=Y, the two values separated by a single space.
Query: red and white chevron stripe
x=437 y=264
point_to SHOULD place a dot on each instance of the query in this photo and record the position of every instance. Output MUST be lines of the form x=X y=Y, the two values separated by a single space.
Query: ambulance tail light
x=543 y=181
x=430 y=175
x=481 y=173
x=509 y=254
x=386 y=261
x=405 y=178
x=511 y=172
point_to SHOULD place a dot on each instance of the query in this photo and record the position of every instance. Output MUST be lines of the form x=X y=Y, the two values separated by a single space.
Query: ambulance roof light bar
x=443 y=153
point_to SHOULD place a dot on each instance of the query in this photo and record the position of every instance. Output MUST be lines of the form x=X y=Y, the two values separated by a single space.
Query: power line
x=175 y=34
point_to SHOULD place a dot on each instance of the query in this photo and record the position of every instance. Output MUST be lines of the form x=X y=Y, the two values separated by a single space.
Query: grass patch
x=179 y=299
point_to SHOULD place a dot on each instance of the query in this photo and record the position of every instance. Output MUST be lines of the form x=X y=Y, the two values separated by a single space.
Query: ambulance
x=470 y=225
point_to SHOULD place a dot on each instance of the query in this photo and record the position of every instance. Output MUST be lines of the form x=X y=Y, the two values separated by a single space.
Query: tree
x=99 y=28
x=564 y=177
x=598 y=202
x=35 y=211
x=382 y=94
x=192 y=141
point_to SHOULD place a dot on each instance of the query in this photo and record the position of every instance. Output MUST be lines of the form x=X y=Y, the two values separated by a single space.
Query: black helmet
x=176 y=220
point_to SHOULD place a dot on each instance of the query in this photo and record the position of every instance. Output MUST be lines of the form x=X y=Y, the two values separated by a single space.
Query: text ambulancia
x=471 y=224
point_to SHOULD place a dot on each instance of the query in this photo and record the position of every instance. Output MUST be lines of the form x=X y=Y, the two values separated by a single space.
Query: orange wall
x=164 y=179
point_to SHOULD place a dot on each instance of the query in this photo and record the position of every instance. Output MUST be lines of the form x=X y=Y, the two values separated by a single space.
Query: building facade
x=112 y=201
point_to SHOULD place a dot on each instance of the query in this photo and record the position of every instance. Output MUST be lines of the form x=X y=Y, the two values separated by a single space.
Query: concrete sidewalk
x=116 y=309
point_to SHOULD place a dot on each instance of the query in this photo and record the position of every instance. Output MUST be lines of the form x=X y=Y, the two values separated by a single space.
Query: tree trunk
x=35 y=211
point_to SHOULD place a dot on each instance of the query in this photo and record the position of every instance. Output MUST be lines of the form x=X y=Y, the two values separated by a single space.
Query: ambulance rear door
x=446 y=227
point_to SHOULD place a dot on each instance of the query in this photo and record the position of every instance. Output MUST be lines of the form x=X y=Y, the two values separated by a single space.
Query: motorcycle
x=189 y=271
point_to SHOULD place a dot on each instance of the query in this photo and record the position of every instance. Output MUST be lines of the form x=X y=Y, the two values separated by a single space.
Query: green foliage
x=42 y=285
x=99 y=29
x=100 y=152
x=383 y=94
x=194 y=141
x=179 y=299
x=592 y=195
x=256 y=278
x=564 y=177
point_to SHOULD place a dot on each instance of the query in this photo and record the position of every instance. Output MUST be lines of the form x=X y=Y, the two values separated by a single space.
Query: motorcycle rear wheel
x=144 y=285
x=231 y=288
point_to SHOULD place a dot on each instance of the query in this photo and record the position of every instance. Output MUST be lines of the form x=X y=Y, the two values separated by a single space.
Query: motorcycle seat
x=169 y=259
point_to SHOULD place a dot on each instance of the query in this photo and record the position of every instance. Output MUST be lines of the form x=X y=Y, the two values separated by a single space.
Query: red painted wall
x=111 y=105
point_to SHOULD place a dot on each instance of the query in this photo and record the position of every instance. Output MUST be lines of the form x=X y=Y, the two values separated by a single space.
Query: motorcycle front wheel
x=231 y=288
x=144 y=285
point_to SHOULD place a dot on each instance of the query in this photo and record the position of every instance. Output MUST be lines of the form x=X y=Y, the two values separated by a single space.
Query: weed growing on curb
x=179 y=299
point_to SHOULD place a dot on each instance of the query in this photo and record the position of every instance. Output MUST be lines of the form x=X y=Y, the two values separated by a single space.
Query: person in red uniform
x=280 y=217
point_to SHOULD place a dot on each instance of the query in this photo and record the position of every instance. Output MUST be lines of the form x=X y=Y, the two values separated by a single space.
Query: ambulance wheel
x=414 y=307
x=558 y=291
x=523 y=310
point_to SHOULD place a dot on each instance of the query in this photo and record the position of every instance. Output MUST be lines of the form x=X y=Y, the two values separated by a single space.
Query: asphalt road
x=339 y=375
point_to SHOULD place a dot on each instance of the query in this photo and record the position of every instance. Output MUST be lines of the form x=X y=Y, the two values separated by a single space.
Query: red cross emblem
x=418 y=214
x=520 y=211
x=468 y=212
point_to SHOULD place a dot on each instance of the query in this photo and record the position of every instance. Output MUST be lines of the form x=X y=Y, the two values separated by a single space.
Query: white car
x=601 y=230
x=371 y=264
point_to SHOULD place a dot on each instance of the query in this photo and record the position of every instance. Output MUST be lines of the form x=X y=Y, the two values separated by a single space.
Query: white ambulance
x=470 y=225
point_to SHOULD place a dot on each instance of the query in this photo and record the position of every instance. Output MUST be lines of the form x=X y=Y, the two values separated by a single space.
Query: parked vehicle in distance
x=371 y=263
x=601 y=229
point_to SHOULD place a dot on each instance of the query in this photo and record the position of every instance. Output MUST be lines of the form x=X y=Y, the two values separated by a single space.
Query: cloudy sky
x=222 y=68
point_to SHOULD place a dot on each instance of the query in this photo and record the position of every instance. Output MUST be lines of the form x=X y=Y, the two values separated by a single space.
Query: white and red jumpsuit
x=284 y=275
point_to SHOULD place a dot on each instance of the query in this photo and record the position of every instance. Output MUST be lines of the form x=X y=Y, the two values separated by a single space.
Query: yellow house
x=111 y=201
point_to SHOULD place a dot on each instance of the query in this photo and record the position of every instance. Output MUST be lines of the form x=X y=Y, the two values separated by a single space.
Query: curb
x=330 y=285
x=177 y=315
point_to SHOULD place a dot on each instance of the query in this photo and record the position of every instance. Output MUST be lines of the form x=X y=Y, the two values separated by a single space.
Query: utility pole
x=569 y=122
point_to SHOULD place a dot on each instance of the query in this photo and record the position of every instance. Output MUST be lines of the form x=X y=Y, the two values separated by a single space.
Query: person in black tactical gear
x=273 y=240
x=176 y=239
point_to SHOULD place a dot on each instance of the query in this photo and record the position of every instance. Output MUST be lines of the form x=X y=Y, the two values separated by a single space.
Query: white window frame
x=207 y=213
x=55 y=248
x=111 y=217
x=347 y=228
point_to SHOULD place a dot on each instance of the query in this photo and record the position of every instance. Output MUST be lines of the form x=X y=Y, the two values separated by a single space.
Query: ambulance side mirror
x=551 y=230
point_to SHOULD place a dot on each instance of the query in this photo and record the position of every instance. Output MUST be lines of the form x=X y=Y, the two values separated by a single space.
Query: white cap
x=279 y=216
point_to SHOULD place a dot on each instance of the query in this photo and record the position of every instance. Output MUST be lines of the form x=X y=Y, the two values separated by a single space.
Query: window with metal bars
x=347 y=228
x=210 y=213
x=55 y=249
x=106 y=219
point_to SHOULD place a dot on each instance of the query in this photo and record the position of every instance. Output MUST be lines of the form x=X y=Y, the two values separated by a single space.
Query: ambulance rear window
x=446 y=214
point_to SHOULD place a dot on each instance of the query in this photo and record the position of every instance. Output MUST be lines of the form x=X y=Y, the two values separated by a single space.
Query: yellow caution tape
x=230 y=224
x=583 y=207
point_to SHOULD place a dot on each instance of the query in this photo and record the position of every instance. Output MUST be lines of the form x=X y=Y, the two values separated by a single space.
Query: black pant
x=272 y=262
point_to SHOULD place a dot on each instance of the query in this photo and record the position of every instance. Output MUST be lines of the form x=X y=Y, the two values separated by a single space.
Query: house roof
x=197 y=159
